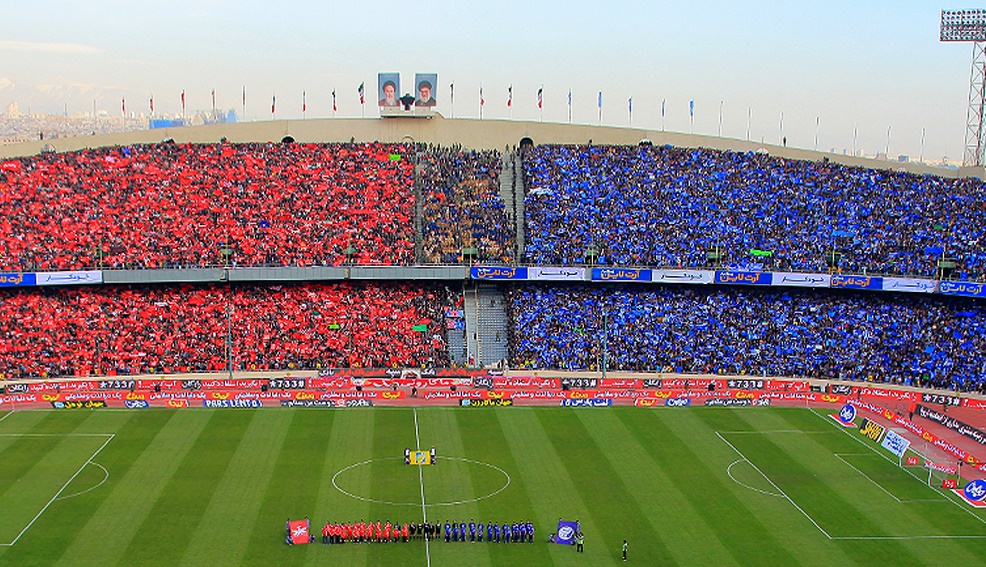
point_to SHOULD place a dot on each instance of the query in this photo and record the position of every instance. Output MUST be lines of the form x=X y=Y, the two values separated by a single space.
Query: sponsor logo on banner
x=358 y=403
x=734 y=402
x=846 y=416
x=871 y=430
x=683 y=276
x=962 y=288
x=177 y=403
x=646 y=402
x=224 y=403
x=744 y=278
x=942 y=399
x=975 y=490
x=80 y=404
x=136 y=404
x=17 y=388
x=580 y=383
x=498 y=273
x=950 y=422
x=949 y=483
x=745 y=384
x=620 y=274
x=17 y=280
x=308 y=404
x=797 y=279
x=947 y=469
x=117 y=384
x=69 y=278
x=912 y=461
x=652 y=383
x=856 y=282
x=556 y=274
x=840 y=389
x=482 y=382
x=678 y=402
x=587 y=402
x=895 y=444
x=909 y=285
x=489 y=403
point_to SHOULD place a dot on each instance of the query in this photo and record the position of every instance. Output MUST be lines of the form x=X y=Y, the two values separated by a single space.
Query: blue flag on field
x=566 y=532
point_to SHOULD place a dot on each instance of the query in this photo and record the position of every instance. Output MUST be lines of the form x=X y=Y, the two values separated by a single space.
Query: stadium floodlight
x=963 y=25
x=970 y=26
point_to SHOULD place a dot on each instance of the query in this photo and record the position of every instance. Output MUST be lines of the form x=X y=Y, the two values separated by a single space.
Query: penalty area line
x=60 y=490
x=421 y=484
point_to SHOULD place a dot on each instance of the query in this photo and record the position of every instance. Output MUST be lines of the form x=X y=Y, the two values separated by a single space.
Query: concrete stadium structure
x=471 y=133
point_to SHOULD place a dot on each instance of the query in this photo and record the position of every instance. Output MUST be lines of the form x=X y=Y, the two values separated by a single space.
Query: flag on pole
x=304 y=102
x=152 y=104
x=510 y=96
x=244 y=98
x=600 y=101
x=569 y=98
x=123 y=102
x=183 y=101
x=334 y=107
x=482 y=99
x=362 y=97
x=213 y=99
x=273 y=103
x=663 y=100
x=451 y=92
x=691 y=108
x=630 y=108
x=540 y=99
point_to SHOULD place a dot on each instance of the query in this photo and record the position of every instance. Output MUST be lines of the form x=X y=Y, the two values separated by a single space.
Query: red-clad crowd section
x=170 y=205
x=119 y=330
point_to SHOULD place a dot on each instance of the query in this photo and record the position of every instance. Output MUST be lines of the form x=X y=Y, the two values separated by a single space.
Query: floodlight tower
x=970 y=25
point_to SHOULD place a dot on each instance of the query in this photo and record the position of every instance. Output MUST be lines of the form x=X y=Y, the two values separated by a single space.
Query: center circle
x=397 y=484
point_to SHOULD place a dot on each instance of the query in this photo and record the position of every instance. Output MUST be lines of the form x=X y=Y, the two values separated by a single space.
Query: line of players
x=379 y=532
x=517 y=532
x=384 y=532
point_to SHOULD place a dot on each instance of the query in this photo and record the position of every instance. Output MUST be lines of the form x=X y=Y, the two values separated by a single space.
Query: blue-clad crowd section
x=667 y=207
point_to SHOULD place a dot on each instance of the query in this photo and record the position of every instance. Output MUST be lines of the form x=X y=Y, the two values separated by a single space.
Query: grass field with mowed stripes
x=685 y=486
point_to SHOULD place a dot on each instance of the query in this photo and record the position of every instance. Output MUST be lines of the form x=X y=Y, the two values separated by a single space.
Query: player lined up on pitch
x=378 y=532
x=516 y=532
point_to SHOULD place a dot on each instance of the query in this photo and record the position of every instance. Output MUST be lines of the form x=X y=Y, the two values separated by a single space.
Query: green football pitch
x=685 y=486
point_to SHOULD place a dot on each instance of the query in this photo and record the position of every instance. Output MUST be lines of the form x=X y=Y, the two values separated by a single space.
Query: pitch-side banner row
x=50 y=278
x=727 y=277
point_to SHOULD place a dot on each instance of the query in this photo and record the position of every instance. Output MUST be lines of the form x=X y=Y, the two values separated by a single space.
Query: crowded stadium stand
x=315 y=255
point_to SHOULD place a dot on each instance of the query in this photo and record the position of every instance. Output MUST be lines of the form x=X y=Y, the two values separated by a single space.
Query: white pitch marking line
x=877 y=484
x=421 y=483
x=942 y=494
x=729 y=472
x=8 y=414
x=789 y=499
x=106 y=476
x=64 y=486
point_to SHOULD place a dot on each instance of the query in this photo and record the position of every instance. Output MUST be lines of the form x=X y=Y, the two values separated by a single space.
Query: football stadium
x=413 y=339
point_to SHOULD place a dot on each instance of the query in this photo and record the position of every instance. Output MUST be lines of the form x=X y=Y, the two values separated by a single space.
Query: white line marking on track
x=421 y=483
x=68 y=482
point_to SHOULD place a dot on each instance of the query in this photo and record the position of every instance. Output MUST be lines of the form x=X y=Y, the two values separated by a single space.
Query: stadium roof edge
x=470 y=132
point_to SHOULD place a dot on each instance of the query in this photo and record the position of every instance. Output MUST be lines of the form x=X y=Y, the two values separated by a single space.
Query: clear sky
x=865 y=65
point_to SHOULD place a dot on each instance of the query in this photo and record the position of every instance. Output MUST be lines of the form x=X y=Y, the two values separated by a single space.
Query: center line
x=421 y=483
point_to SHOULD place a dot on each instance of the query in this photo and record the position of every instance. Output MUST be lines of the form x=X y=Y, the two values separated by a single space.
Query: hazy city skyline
x=777 y=69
